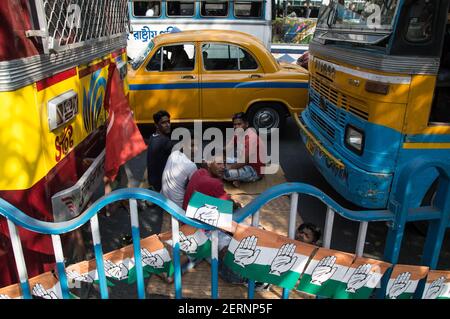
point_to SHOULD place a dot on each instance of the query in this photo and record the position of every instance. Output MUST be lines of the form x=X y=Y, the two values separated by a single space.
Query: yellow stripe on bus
x=426 y=145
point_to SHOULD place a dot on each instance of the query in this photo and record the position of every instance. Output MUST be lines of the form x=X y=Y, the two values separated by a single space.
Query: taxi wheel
x=265 y=117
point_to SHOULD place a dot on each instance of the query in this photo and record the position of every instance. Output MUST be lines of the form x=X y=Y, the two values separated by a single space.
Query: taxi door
x=168 y=80
x=230 y=79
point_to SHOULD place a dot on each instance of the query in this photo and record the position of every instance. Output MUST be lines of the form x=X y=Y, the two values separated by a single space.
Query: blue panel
x=370 y=190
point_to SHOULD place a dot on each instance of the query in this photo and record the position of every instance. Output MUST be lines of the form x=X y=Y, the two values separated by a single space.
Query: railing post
x=293 y=215
x=291 y=231
x=176 y=257
x=20 y=260
x=214 y=264
x=135 y=234
x=95 y=230
x=328 y=231
x=362 y=233
x=59 y=257
x=251 y=283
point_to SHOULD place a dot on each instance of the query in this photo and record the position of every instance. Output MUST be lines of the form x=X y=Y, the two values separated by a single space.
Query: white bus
x=151 y=18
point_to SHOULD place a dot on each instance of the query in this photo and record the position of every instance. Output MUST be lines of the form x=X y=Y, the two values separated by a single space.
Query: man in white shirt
x=176 y=175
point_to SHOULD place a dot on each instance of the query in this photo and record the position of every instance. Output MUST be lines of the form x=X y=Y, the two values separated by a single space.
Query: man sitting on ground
x=247 y=166
x=159 y=149
x=177 y=173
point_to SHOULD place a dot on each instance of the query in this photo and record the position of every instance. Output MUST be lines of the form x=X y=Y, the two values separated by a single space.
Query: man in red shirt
x=248 y=163
x=207 y=181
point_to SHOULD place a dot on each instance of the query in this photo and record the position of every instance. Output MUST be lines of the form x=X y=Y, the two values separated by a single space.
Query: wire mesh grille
x=71 y=23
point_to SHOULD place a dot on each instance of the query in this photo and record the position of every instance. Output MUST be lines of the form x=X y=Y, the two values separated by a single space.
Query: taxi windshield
x=357 y=18
x=136 y=62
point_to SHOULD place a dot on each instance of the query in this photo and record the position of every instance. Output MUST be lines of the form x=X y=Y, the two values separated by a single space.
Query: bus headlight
x=354 y=139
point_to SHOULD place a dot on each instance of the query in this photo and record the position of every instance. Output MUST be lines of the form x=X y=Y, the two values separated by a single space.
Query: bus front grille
x=325 y=89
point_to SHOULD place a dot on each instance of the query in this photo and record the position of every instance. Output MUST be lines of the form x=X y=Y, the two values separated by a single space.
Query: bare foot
x=236 y=184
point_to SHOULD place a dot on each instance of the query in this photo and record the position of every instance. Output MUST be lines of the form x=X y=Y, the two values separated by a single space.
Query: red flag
x=123 y=139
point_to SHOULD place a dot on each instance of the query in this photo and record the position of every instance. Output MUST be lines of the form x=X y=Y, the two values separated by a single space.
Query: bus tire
x=266 y=116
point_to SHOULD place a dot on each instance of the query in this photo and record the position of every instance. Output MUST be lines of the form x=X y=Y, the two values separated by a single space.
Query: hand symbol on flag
x=188 y=245
x=401 y=283
x=359 y=278
x=119 y=272
x=5 y=297
x=284 y=260
x=40 y=291
x=208 y=214
x=324 y=270
x=246 y=252
x=435 y=289
x=153 y=260
x=75 y=276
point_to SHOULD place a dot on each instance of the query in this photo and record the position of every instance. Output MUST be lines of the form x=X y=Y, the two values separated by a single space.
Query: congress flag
x=437 y=285
x=267 y=257
x=404 y=280
x=361 y=279
x=325 y=272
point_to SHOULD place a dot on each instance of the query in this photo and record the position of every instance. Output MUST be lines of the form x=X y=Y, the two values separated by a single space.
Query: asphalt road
x=298 y=168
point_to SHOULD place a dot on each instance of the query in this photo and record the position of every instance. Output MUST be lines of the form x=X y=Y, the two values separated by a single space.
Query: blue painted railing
x=16 y=218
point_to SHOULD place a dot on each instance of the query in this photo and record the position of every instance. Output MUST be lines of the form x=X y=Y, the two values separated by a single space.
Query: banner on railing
x=404 y=280
x=437 y=285
x=326 y=272
x=267 y=257
x=193 y=241
x=212 y=211
x=361 y=279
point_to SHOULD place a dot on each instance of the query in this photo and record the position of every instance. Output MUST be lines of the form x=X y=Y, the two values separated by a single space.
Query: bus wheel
x=266 y=117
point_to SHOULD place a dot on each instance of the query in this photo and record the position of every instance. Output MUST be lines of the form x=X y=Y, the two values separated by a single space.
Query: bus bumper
x=365 y=189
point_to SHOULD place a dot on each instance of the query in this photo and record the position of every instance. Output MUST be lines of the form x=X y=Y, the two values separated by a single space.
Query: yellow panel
x=419 y=105
x=21 y=160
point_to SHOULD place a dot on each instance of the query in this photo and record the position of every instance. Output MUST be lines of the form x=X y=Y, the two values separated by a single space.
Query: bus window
x=248 y=9
x=147 y=8
x=214 y=9
x=420 y=22
x=180 y=8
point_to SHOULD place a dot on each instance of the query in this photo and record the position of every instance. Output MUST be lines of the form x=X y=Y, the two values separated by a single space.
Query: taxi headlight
x=354 y=139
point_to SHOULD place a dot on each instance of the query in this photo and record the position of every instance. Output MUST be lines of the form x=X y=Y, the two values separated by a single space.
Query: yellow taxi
x=212 y=74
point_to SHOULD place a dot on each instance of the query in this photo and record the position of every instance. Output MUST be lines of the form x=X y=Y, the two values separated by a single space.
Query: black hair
x=159 y=115
x=313 y=228
x=240 y=116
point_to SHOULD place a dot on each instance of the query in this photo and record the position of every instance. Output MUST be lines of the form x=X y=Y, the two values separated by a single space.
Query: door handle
x=255 y=76
x=186 y=77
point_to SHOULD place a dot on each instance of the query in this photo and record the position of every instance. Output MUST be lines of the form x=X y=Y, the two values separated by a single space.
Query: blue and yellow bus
x=151 y=18
x=379 y=96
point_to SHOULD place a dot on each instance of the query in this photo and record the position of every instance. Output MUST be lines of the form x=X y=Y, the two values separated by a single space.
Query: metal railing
x=69 y=24
x=16 y=218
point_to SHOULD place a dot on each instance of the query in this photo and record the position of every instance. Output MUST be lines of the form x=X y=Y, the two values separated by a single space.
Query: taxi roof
x=209 y=35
